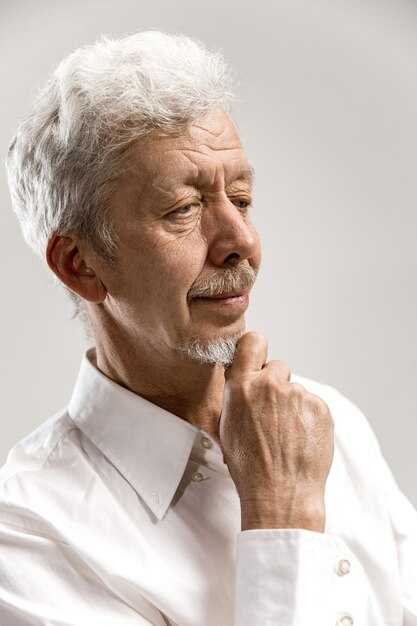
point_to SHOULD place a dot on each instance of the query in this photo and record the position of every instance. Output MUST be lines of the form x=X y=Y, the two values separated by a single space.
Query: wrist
x=261 y=514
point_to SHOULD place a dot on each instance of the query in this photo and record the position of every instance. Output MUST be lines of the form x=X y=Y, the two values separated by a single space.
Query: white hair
x=66 y=157
x=219 y=351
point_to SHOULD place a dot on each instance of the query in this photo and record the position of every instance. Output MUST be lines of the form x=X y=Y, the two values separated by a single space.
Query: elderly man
x=190 y=481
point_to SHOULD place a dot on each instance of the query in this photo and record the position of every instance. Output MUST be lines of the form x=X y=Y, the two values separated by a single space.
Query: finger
x=280 y=368
x=251 y=354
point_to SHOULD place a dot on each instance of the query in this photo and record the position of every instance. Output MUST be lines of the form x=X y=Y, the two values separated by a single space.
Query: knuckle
x=282 y=368
x=268 y=382
x=238 y=392
x=297 y=390
x=321 y=408
x=320 y=404
x=234 y=387
x=323 y=411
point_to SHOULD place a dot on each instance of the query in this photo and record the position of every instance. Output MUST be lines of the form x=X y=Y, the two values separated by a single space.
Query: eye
x=185 y=211
x=242 y=203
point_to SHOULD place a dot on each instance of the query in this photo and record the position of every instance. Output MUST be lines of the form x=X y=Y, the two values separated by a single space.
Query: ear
x=67 y=262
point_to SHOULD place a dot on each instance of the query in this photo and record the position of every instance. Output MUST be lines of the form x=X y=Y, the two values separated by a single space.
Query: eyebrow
x=246 y=174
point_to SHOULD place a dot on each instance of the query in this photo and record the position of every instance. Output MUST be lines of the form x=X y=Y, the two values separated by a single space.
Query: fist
x=277 y=440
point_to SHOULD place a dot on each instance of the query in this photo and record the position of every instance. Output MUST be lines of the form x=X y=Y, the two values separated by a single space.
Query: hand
x=277 y=440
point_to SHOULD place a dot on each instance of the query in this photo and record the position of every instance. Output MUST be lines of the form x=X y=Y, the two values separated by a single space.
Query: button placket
x=206 y=443
x=197 y=477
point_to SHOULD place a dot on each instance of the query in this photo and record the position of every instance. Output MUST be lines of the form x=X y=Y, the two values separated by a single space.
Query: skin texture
x=181 y=214
x=277 y=440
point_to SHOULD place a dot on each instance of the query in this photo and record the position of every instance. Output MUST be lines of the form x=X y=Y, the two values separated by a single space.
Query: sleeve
x=44 y=583
x=297 y=577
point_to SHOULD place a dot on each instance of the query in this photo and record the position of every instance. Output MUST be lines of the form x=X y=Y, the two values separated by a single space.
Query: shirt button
x=196 y=477
x=206 y=443
x=346 y=620
x=343 y=567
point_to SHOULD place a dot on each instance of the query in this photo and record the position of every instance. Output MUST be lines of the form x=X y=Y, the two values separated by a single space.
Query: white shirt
x=118 y=513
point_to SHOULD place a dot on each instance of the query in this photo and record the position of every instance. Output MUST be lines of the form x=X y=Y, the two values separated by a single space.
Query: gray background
x=328 y=101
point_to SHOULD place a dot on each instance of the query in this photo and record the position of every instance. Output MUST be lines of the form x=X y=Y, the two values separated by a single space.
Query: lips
x=226 y=296
x=231 y=303
x=224 y=285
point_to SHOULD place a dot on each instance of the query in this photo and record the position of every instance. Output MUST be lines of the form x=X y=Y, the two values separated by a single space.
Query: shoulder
x=31 y=453
x=40 y=477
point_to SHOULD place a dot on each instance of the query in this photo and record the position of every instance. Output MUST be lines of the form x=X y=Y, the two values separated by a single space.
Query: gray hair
x=220 y=351
x=67 y=156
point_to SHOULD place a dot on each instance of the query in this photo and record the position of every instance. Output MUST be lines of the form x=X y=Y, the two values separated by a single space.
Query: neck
x=186 y=388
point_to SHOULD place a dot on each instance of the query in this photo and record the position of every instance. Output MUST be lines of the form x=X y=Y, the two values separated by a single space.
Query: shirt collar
x=148 y=445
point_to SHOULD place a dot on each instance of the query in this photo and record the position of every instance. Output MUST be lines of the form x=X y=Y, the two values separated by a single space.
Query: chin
x=216 y=350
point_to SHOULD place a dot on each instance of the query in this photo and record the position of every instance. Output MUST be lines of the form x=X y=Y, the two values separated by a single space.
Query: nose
x=230 y=234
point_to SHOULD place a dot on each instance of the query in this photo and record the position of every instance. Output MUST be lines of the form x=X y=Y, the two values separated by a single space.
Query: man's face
x=181 y=216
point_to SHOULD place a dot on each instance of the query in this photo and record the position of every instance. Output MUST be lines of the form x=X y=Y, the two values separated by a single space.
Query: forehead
x=203 y=151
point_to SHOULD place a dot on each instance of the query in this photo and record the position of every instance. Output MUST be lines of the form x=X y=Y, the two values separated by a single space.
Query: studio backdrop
x=327 y=107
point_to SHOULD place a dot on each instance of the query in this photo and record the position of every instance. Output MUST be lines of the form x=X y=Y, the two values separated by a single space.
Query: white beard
x=219 y=351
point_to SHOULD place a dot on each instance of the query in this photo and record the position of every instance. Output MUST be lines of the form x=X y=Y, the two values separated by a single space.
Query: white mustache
x=224 y=281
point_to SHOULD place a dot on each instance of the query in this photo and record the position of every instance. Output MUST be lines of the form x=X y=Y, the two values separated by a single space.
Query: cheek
x=172 y=266
x=157 y=265
x=182 y=269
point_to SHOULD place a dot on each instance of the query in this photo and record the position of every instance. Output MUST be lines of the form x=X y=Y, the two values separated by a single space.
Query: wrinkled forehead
x=205 y=149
